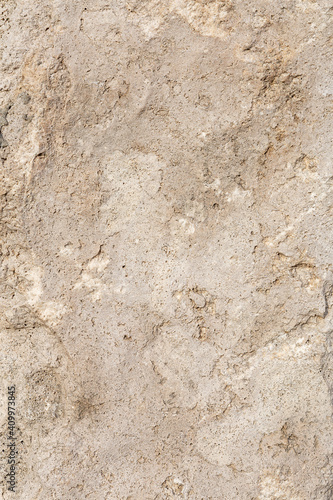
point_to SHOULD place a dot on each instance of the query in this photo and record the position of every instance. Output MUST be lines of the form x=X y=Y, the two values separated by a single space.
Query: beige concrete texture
x=166 y=279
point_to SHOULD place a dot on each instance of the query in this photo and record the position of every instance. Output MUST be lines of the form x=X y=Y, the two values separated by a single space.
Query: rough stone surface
x=167 y=248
